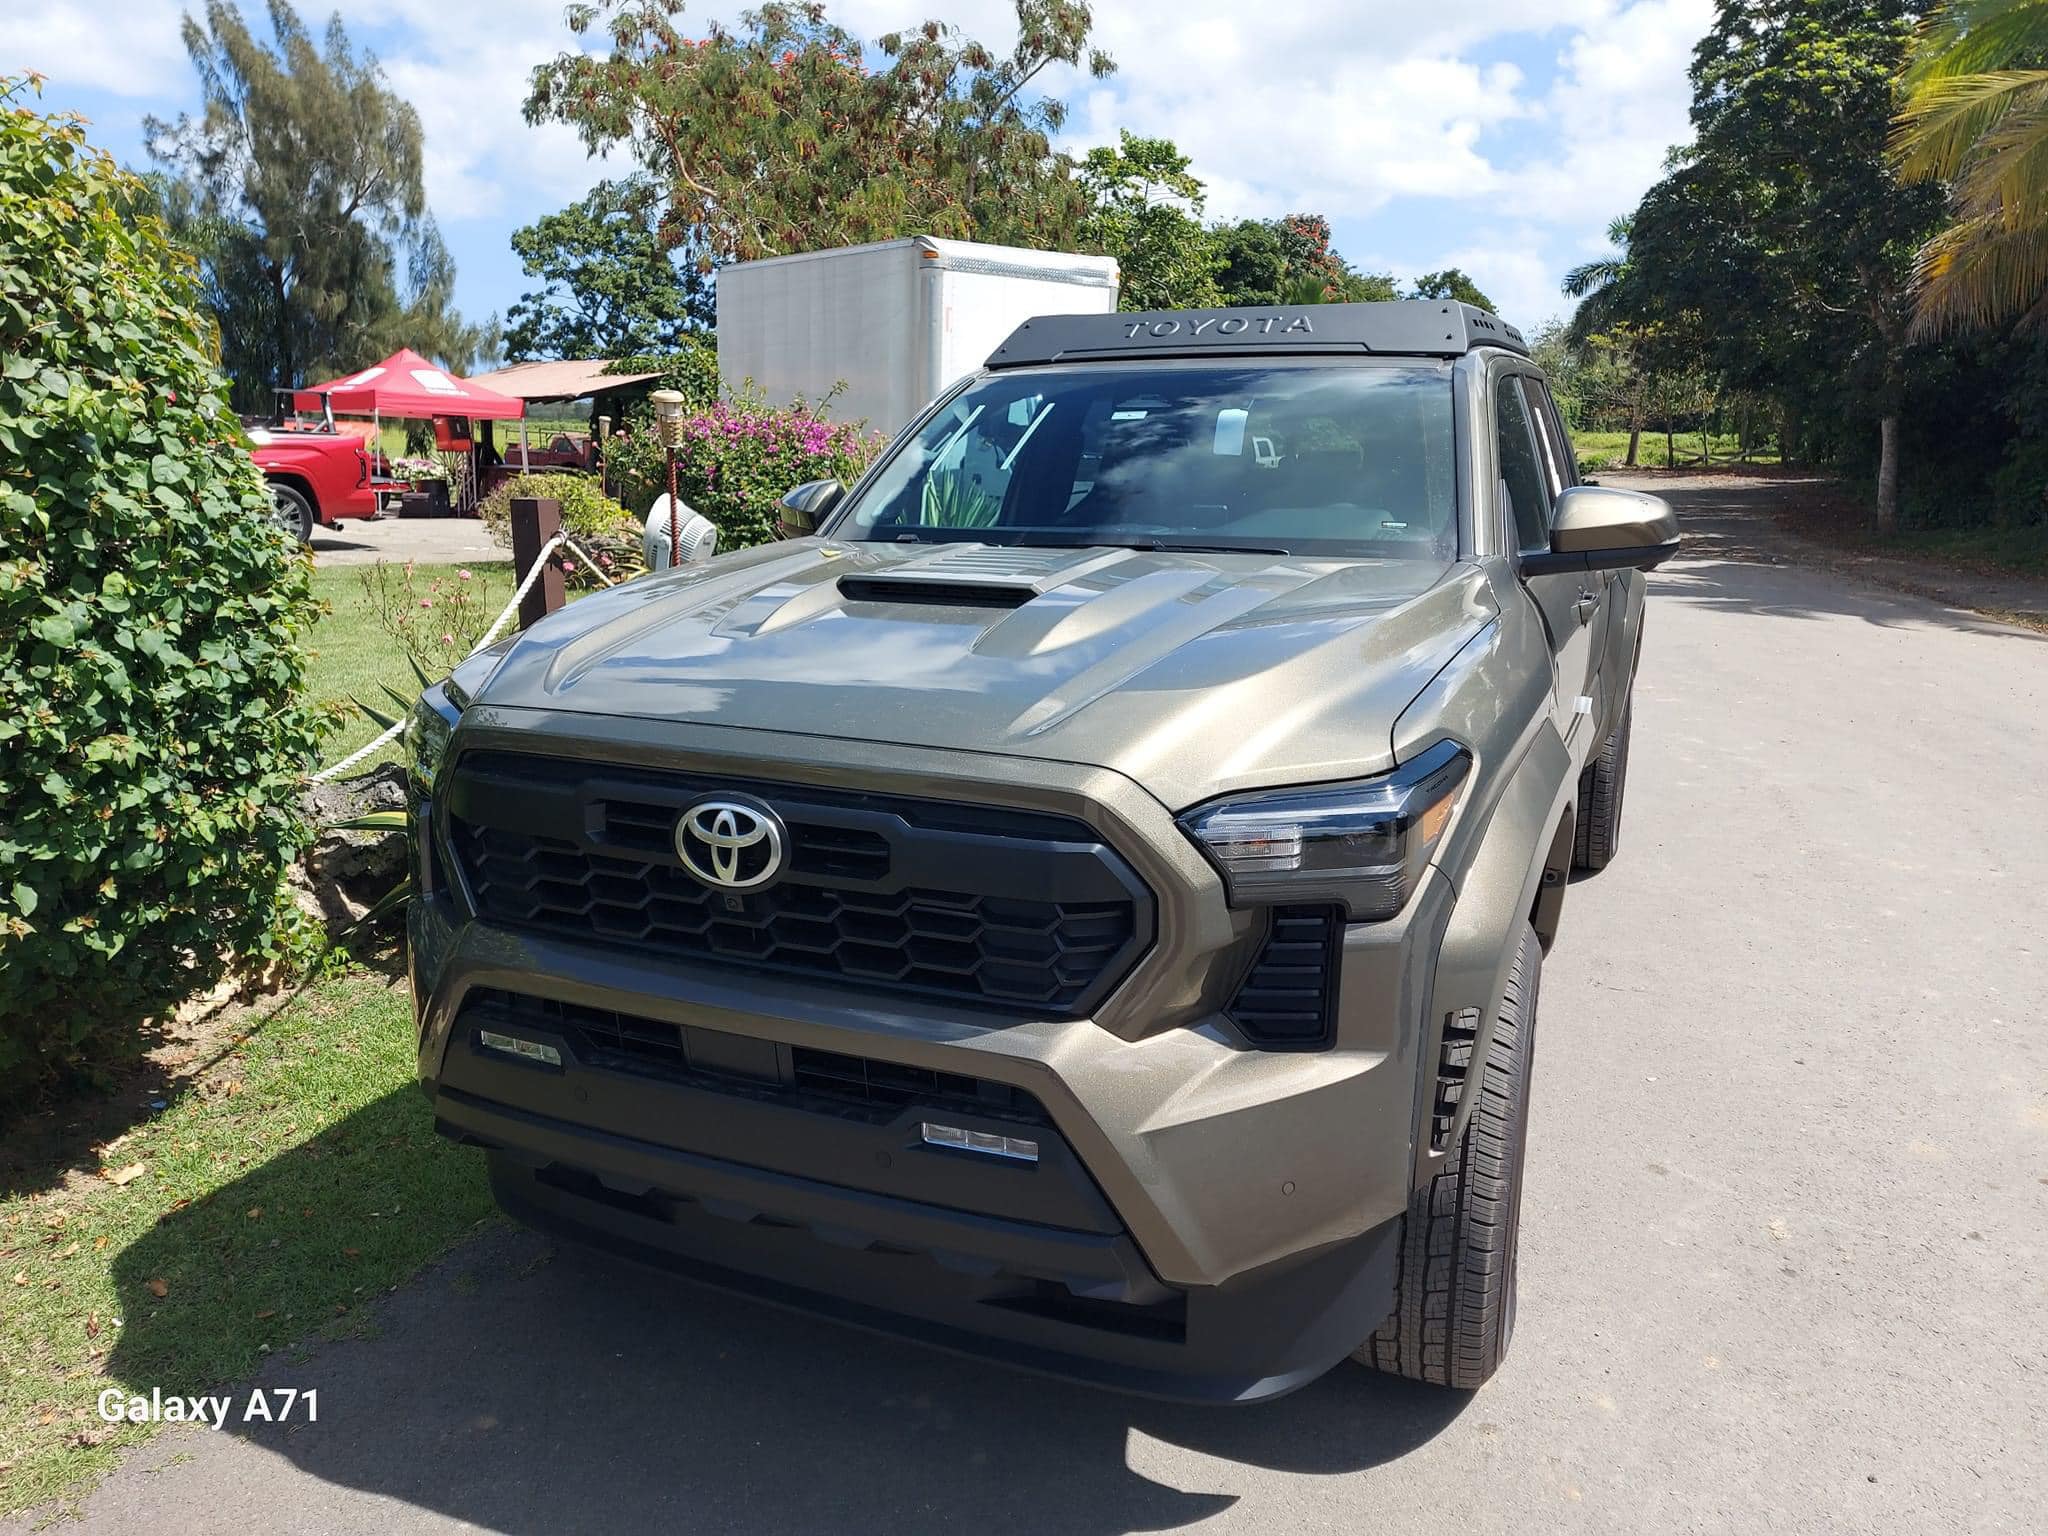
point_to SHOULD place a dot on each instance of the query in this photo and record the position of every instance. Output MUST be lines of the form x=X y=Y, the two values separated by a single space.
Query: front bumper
x=1205 y=1220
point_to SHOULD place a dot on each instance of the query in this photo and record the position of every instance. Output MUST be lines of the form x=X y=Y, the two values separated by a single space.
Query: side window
x=1547 y=446
x=1520 y=471
x=1570 y=466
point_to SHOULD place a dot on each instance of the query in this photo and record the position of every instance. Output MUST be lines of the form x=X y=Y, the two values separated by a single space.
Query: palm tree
x=1597 y=285
x=1976 y=117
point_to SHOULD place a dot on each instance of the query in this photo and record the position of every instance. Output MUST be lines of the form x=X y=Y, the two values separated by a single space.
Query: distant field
x=1605 y=450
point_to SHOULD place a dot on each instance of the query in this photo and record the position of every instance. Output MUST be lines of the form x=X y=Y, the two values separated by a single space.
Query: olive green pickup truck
x=1080 y=897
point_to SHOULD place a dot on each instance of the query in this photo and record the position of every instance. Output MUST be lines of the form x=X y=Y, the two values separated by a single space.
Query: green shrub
x=691 y=368
x=736 y=461
x=153 y=721
x=585 y=508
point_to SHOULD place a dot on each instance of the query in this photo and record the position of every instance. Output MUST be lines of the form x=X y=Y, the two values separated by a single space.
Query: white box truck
x=896 y=322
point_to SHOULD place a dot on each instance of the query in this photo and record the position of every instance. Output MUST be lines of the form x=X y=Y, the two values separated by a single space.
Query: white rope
x=547 y=551
x=359 y=754
x=584 y=555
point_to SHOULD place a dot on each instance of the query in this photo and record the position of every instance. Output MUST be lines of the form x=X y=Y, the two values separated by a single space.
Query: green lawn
x=1607 y=450
x=275 y=1195
x=351 y=653
x=284 y=1184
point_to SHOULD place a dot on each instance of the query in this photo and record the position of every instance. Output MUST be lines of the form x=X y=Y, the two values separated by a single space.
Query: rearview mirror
x=805 y=507
x=1604 y=528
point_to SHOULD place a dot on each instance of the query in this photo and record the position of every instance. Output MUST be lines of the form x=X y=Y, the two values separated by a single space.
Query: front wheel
x=291 y=511
x=1454 y=1299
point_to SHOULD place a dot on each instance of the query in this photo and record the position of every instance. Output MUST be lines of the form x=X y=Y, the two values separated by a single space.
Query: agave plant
x=1976 y=117
x=951 y=501
x=384 y=821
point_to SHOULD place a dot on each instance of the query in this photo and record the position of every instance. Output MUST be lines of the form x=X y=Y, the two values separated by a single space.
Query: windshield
x=1348 y=460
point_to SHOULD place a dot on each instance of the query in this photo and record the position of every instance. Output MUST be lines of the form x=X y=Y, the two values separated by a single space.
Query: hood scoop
x=953 y=593
x=976 y=576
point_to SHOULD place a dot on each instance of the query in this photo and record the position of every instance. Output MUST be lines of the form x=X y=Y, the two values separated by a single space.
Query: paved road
x=1785 y=1235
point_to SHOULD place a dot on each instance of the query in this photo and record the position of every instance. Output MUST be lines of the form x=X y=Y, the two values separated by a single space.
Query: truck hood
x=1191 y=673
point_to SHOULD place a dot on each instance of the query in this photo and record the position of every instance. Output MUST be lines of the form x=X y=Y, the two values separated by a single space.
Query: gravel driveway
x=429 y=540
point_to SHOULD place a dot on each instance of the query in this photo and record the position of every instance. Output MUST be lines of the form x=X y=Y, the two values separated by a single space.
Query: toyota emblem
x=730 y=845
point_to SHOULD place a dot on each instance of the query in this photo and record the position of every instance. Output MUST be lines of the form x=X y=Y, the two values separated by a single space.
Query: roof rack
x=1412 y=327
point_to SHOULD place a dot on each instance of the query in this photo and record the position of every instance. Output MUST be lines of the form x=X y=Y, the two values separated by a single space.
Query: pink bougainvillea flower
x=569 y=566
x=463 y=574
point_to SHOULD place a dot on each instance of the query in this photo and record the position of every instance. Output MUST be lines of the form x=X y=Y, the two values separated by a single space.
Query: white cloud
x=1405 y=124
x=127 y=47
x=1619 y=105
x=1514 y=274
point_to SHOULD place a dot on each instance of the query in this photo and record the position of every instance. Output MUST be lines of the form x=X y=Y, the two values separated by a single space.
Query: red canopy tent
x=407 y=385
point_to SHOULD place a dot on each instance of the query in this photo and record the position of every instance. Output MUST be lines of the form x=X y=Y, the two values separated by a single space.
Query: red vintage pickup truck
x=315 y=476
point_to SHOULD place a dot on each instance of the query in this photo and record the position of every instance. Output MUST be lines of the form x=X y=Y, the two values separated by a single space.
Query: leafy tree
x=1977 y=119
x=610 y=287
x=1614 y=380
x=778 y=137
x=1784 y=220
x=298 y=190
x=1291 y=261
x=153 y=620
x=1145 y=209
x=1305 y=241
x=1451 y=283
x=1251 y=262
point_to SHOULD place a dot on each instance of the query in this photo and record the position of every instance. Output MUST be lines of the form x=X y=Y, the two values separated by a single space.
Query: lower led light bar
x=987 y=1143
x=512 y=1045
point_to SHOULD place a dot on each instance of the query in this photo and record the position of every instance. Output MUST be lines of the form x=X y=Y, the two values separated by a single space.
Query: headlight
x=1364 y=844
x=427 y=733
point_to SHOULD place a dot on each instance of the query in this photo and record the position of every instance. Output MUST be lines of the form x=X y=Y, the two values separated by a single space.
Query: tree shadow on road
x=1735 y=559
x=525 y=1387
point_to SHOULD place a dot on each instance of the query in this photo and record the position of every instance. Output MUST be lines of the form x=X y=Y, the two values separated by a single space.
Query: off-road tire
x=1598 y=832
x=294 y=512
x=1454 y=1297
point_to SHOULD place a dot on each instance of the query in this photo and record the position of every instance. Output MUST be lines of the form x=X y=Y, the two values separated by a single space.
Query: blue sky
x=1489 y=134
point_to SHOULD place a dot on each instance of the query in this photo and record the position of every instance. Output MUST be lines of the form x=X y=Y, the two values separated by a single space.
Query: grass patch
x=1607 y=450
x=350 y=653
x=2020 y=550
x=278 y=1193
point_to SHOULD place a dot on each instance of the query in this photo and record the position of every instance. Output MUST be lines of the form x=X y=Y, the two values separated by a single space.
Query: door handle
x=1587 y=605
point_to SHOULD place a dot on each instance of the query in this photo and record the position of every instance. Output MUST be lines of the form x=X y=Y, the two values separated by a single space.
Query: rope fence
x=548 y=551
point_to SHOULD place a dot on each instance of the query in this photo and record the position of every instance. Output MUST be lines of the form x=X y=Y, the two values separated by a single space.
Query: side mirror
x=805 y=507
x=1604 y=528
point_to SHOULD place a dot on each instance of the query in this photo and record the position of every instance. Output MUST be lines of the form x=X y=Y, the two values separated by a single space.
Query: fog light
x=987 y=1143
x=531 y=1050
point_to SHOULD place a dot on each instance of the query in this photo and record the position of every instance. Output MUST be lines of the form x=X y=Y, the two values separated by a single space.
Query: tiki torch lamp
x=668 y=421
x=604 y=432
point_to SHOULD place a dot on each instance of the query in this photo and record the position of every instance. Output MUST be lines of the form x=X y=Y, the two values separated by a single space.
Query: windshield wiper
x=1025 y=538
x=1154 y=545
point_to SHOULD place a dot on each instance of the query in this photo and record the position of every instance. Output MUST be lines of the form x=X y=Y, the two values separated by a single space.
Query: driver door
x=1569 y=601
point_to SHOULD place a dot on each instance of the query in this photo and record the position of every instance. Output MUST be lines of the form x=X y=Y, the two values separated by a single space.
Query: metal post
x=535 y=520
x=668 y=421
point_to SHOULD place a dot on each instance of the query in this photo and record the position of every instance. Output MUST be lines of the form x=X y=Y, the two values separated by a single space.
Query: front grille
x=861 y=1086
x=1288 y=1001
x=1009 y=909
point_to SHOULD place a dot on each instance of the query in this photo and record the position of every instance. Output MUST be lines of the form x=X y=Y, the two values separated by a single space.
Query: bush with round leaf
x=153 y=721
